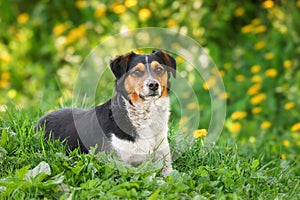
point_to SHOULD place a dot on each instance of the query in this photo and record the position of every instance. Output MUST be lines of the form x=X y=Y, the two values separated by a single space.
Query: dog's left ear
x=168 y=60
x=119 y=65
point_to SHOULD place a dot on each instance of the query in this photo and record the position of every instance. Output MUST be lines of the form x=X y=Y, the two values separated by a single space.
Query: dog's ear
x=168 y=60
x=119 y=65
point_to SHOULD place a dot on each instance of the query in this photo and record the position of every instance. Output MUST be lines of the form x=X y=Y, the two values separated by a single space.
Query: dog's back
x=77 y=127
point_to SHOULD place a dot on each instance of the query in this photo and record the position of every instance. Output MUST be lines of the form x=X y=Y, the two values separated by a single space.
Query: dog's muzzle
x=151 y=88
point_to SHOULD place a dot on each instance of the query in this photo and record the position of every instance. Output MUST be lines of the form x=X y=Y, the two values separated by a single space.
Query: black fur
x=114 y=119
x=87 y=127
x=60 y=125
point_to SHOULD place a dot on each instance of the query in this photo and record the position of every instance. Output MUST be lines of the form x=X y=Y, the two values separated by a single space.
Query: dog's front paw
x=166 y=171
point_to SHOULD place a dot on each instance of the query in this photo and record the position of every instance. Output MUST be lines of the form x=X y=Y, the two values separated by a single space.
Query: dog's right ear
x=119 y=66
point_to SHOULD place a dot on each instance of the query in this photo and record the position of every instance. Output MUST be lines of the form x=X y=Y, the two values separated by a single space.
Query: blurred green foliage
x=255 y=44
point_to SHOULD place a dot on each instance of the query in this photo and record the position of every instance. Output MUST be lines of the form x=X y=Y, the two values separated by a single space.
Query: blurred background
x=255 y=45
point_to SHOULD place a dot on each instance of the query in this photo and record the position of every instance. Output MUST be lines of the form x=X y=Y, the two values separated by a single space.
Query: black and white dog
x=134 y=122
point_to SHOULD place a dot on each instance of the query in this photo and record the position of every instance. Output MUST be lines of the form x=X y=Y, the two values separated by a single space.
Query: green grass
x=34 y=168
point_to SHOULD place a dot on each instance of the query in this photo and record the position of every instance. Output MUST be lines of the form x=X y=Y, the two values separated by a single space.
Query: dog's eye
x=138 y=73
x=159 y=70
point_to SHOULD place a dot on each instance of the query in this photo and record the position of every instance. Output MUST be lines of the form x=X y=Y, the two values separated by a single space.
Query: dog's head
x=142 y=77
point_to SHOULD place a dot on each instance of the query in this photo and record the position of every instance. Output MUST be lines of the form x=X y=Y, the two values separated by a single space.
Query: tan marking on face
x=134 y=83
x=162 y=78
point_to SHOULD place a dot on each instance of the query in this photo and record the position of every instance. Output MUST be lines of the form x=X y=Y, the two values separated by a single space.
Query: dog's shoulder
x=113 y=119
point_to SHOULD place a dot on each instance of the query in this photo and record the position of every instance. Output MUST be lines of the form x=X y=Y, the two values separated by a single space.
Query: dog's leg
x=163 y=152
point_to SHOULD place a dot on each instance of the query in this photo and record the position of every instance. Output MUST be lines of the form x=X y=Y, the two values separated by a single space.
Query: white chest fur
x=150 y=120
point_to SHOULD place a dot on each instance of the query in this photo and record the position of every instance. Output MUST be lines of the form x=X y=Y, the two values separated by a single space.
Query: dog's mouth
x=151 y=95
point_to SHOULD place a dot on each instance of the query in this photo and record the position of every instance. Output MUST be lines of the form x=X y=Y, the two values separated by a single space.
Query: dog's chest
x=150 y=117
x=151 y=123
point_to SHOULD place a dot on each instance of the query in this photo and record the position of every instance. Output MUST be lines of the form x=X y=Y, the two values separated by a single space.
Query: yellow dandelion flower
x=80 y=3
x=224 y=95
x=298 y=3
x=5 y=57
x=172 y=23
x=4 y=83
x=76 y=33
x=206 y=86
x=4 y=80
x=200 y=133
x=186 y=95
x=254 y=89
x=240 y=78
x=255 y=68
x=221 y=73
x=184 y=129
x=217 y=72
x=100 y=10
x=259 y=45
x=239 y=11
x=144 y=14
x=247 y=29
x=238 y=115
x=5 y=76
x=192 y=106
x=287 y=63
x=210 y=83
x=183 y=120
x=81 y=30
x=20 y=36
x=283 y=156
x=286 y=143
x=296 y=127
x=269 y=56
x=23 y=18
x=130 y=3
x=235 y=127
x=260 y=29
x=256 y=110
x=119 y=8
x=266 y=125
x=252 y=139
x=227 y=65
x=272 y=72
x=289 y=105
x=179 y=59
x=256 y=79
x=283 y=29
x=268 y=4
x=258 y=98
x=59 y=29
x=12 y=93
x=255 y=21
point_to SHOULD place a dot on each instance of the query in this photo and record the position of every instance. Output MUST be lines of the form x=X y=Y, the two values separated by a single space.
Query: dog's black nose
x=153 y=85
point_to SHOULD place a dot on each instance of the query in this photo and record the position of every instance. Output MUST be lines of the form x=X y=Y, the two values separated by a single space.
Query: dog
x=134 y=122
